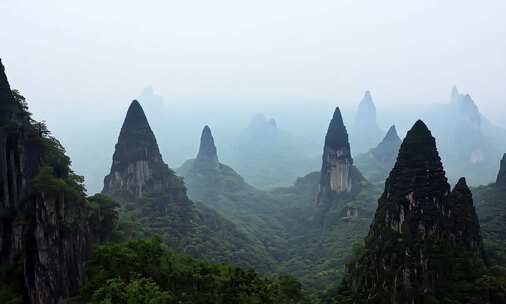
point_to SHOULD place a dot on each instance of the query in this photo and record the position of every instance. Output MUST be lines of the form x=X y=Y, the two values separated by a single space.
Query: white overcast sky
x=79 y=54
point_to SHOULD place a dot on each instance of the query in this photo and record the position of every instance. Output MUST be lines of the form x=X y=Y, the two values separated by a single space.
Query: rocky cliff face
x=337 y=161
x=43 y=222
x=338 y=176
x=501 y=177
x=423 y=236
x=207 y=150
x=365 y=132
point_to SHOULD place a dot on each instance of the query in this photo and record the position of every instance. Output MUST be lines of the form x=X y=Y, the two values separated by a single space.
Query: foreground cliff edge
x=47 y=223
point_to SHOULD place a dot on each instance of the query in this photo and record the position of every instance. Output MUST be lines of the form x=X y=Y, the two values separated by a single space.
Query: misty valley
x=364 y=215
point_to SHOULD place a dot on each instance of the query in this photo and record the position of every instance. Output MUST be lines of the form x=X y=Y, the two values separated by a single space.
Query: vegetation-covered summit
x=424 y=245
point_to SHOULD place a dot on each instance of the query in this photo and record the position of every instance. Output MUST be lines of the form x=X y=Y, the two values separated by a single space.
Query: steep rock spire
x=386 y=151
x=421 y=231
x=501 y=177
x=455 y=95
x=466 y=224
x=337 y=163
x=137 y=167
x=207 y=150
x=366 y=113
x=337 y=135
x=365 y=132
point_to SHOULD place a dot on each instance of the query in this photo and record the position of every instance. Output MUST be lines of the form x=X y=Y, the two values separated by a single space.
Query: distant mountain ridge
x=469 y=143
x=268 y=156
x=377 y=163
x=365 y=132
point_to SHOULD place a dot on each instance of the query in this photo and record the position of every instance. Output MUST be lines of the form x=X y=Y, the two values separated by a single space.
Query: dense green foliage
x=491 y=208
x=11 y=283
x=49 y=174
x=320 y=238
x=309 y=242
x=147 y=272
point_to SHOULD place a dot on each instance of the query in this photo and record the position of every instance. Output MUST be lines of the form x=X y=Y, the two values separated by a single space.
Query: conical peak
x=135 y=107
x=136 y=134
x=366 y=106
x=337 y=136
x=135 y=122
x=207 y=150
x=366 y=113
x=501 y=177
x=418 y=162
x=367 y=96
x=419 y=131
x=337 y=118
x=462 y=186
x=392 y=134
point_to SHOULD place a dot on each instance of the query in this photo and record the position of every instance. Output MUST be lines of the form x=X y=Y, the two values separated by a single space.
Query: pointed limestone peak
x=392 y=135
x=207 y=150
x=367 y=97
x=136 y=125
x=337 y=163
x=337 y=135
x=501 y=177
x=366 y=110
x=455 y=95
x=136 y=140
x=386 y=151
x=419 y=132
x=462 y=187
x=419 y=164
x=466 y=223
